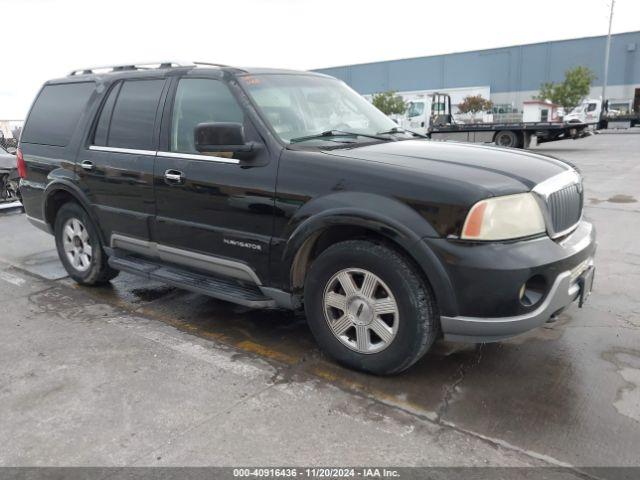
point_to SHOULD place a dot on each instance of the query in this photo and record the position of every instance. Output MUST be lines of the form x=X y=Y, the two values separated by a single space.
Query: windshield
x=578 y=109
x=304 y=105
x=415 y=109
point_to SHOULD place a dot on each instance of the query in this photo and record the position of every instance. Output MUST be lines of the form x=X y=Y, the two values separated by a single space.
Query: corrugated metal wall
x=510 y=69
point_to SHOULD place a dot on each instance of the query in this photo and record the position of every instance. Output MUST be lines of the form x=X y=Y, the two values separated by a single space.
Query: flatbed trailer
x=628 y=120
x=516 y=134
x=504 y=134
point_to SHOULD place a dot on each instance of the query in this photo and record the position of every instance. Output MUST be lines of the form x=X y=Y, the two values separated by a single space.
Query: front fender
x=385 y=216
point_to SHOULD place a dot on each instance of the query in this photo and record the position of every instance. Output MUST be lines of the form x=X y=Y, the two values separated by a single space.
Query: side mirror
x=221 y=137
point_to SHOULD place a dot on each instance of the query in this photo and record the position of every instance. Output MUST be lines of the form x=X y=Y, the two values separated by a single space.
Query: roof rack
x=207 y=64
x=141 y=66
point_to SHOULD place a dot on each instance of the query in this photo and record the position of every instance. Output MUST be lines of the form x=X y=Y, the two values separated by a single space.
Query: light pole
x=606 y=56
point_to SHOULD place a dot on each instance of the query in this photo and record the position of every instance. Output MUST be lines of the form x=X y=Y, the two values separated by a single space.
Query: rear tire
x=369 y=308
x=79 y=248
x=507 y=138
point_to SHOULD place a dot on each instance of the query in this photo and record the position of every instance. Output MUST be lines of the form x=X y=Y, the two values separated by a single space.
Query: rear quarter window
x=56 y=112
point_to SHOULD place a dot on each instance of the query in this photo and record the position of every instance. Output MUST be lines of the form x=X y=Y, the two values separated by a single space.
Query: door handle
x=173 y=176
x=87 y=165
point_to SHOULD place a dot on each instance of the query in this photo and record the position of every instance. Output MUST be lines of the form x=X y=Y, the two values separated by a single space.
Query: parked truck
x=440 y=124
x=589 y=111
x=614 y=113
x=621 y=113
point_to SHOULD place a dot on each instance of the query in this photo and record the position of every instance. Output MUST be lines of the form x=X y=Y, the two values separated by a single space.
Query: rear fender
x=64 y=180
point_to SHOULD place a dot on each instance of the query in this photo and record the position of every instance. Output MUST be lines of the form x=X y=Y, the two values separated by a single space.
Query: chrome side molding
x=132 y=151
x=193 y=156
x=209 y=263
x=156 y=153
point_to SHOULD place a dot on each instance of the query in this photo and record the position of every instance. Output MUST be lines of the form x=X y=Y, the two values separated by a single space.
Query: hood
x=499 y=170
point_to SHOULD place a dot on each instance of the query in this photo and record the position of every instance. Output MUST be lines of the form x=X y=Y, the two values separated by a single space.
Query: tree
x=474 y=104
x=389 y=103
x=569 y=92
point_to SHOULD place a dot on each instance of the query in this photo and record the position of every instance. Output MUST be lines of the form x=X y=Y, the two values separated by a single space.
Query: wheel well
x=55 y=201
x=319 y=242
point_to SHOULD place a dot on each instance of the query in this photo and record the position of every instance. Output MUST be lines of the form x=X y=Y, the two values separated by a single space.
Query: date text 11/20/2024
x=316 y=472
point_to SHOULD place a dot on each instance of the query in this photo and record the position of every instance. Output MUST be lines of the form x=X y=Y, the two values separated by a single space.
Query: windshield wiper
x=401 y=130
x=336 y=133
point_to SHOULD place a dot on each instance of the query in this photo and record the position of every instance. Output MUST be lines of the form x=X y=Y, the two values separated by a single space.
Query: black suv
x=276 y=188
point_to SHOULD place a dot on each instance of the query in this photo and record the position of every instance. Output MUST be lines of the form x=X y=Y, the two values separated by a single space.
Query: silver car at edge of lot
x=8 y=176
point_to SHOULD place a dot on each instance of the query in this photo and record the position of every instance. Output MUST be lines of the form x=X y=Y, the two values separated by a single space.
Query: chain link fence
x=9 y=144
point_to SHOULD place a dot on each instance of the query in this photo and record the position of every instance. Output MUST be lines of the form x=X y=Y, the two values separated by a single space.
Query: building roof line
x=485 y=50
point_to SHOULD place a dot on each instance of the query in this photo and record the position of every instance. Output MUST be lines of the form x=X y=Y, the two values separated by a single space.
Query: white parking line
x=9 y=206
x=13 y=279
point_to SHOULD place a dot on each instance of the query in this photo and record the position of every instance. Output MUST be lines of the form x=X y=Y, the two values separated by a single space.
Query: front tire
x=79 y=248
x=369 y=308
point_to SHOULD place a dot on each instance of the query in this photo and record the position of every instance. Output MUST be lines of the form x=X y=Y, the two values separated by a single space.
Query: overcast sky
x=43 y=39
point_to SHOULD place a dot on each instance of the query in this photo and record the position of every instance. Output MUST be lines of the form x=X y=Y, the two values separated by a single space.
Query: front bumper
x=486 y=279
x=564 y=291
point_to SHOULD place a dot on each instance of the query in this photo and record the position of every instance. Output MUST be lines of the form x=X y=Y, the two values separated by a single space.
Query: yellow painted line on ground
x=249 y=346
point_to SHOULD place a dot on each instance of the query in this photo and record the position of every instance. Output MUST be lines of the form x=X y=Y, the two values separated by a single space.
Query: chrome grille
x=565 y=207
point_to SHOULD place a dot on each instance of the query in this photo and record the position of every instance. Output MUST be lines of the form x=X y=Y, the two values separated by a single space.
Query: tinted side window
x=197 y=101
x=102 y=128
x=56 y=112
x=134 y=115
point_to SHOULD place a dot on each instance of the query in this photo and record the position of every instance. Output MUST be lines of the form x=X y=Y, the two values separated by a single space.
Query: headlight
x=503 y=218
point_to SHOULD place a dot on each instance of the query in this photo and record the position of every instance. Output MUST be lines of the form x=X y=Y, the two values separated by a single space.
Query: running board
x=216 y=287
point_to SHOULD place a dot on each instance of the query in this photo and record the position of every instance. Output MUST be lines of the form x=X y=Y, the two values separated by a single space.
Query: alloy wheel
x=361 y=310
x=76 y=244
